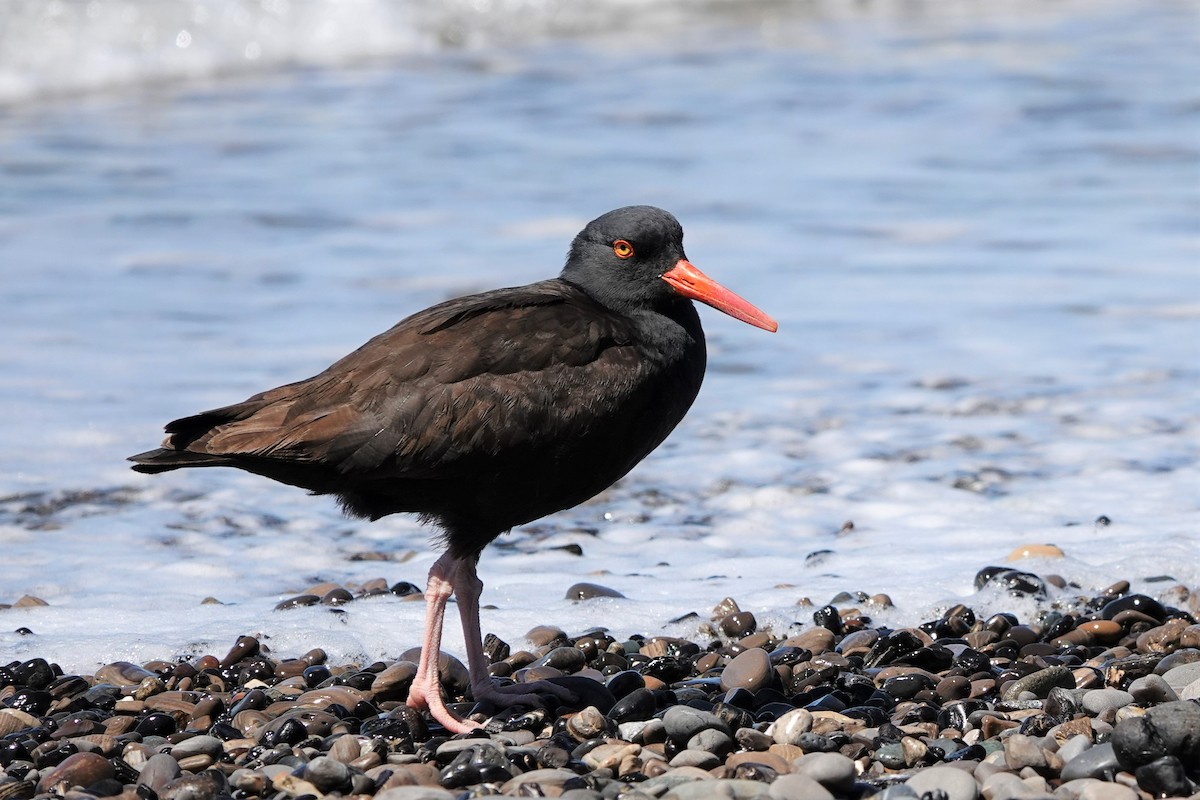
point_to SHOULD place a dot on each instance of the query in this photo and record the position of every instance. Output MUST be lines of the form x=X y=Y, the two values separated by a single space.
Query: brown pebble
x=1104 y=631
x=750 y=670
x=589 y=591
x=955 y=687
x=543 y=635
x=768 y=759
x=79 y=769
x=815 y=640
x=1036 y=551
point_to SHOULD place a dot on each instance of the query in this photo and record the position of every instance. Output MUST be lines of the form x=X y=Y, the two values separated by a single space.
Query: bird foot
x=431 y=700
x=538 y=694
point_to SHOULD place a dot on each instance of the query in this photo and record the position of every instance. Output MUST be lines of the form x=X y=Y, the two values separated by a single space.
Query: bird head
x=633 y=257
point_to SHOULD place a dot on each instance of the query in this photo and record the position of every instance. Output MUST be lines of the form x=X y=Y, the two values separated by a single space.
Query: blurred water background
x=977 y=224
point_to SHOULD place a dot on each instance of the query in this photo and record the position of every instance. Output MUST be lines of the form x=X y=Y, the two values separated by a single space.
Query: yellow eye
x=622 y=248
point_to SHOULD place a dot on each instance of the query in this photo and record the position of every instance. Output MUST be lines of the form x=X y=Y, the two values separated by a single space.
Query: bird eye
x=622 y=248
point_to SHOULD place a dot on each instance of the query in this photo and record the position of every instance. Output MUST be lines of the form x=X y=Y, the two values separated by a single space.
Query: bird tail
x=164 y=460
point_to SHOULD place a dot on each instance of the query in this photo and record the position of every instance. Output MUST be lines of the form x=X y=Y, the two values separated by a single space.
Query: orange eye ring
x=623 y=249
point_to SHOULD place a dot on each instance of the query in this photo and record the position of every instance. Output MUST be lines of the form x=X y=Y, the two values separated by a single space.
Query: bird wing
x=461 y=381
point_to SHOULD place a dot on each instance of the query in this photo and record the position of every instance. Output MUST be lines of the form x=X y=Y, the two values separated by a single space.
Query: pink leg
x=468 y=588
x=425 y=694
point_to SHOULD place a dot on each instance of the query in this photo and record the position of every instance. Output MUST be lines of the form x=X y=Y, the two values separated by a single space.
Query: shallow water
x=978 y=232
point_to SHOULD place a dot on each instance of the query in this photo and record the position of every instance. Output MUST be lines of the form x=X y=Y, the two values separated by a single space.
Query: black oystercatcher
x=488 y=411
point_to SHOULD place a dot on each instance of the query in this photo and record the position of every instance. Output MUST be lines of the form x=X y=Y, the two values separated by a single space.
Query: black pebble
x=1164 y=777
x=637 y=706
x=1134 y=602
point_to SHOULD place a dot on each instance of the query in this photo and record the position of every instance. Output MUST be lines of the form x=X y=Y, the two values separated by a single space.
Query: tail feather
x=164 y=460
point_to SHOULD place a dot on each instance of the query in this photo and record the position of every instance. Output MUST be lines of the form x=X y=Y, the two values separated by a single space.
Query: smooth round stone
x=891 y=755
x=789 y=728
x=587 y=724
x=327 y=774
x=123 y=673
x=711 y=740
x=158 y=771
x=1007 y=786
x=1092 y=789
x=738 y=624
x=684 y=722
x=815 y=640
x=1191 y=691
x=955 y=784
x=204 y=745
x=609 y=756
x=1164 y=777
x=834 y=771
x=78 y=769
x=345 y=748
x=750 y=670
x=540 y=778
x=637 y=706
x=1035 y=551
x=415 y=793
x=1022 y=751
x=797 y=787
x=1073 y=747
x=1040 y=683
x=588 y=591
x=953 y=688
x=1098 y=762
x=701 y=759
x=1179 y=677
x=194 y=787
x=1164 y=730
x=752 y=740
x=1152 y=689
x=732 y=788
x=564 y=659
x=1096 y=701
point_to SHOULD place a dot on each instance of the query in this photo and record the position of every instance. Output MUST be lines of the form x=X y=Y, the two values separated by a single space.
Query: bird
x=486 y=412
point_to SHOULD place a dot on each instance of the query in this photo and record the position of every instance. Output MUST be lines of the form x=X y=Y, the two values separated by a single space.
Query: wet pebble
x=1081 y=700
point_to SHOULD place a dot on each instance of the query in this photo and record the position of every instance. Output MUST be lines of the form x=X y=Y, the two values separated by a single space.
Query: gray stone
x=1092 y=789
x=158 y=771
x=1098 y=762
x=1191 y=691
x=1152 y=689
x=701 y=759
x=791 y=726
x=832 y=770
x=733 y=788
x=955 y=783
x=684 y=722
x=1022 y=751
x=711 y=741
x=797 y=787
x=1097 y=701
x=1170 y=729
x=198 y=745
x=414 y=793
x=327 y=774
x=1007 y=786
x=1181 y=676
x=1073 y=747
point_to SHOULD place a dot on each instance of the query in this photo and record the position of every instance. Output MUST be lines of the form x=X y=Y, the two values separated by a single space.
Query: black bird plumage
x=492 y=410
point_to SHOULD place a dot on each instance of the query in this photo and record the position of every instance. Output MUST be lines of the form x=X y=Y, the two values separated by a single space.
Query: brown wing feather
x=460 y=381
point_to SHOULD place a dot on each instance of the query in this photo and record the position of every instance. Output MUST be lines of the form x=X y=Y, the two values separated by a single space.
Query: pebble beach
x=1098 y=697
x=937 y=538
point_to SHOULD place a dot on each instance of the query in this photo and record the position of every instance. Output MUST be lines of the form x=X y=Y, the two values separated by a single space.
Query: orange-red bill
x=695 y=285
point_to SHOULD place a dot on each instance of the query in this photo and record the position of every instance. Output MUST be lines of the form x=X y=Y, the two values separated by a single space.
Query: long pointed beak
x=693 y=284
